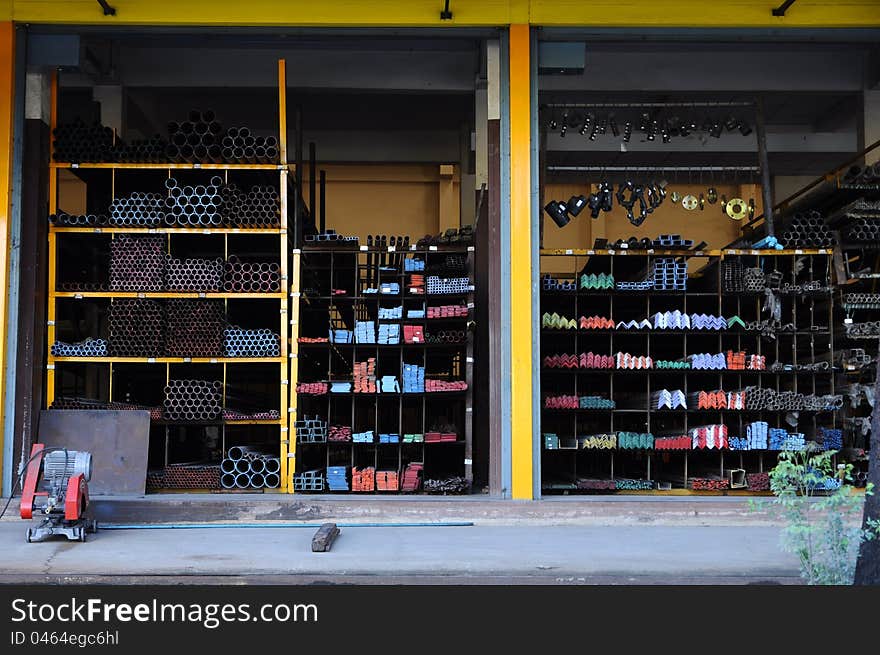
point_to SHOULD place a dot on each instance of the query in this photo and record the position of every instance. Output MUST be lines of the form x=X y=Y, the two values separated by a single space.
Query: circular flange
x=690 y=202
x=736 y=208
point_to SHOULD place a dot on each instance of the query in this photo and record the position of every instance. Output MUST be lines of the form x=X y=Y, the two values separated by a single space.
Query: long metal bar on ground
x=214 y=526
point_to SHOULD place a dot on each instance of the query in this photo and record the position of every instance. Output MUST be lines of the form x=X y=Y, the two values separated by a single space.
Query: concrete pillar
x=112 y=105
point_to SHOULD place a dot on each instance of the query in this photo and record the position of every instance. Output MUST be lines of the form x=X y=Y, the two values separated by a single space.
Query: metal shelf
x=276 y=295
x=285 y=378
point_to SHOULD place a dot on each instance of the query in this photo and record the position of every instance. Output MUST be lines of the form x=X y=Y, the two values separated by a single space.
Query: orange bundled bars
x=595 y=323
x=412 y=477
x=364 y=375
x=313 y=339
x=672 y=443
x=736 y=361
x=417 y=284
x=363 y=479
x=387 y=481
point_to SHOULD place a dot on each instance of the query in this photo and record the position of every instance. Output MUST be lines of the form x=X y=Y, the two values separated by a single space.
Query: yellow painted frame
x=7 y=102
x=522 y=464
x=425 y=13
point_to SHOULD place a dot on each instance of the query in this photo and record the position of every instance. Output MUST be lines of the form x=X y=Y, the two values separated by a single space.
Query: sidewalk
x=504 y=554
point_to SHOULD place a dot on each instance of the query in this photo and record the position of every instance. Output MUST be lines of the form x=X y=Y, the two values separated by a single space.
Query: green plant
x=820 y=515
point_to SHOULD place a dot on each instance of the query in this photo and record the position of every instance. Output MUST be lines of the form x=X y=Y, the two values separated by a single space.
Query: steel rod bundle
x=832 y=438
x=589 y=484
x=781 y=439
x=364 y=376
x=82 y=220
x=193 y=400
x=190 y=206
x=88 y=348
x=262 y=342
x=312 y=388
x=137 y=328
x=433 y=386
x=630 y=484
x=185 y=476
x=363 y=479
x=194 y=274
x=758 y=481
x=251 y=277
x=258 y=207
x=138 y=209
x=195 y=328
x=137 y=262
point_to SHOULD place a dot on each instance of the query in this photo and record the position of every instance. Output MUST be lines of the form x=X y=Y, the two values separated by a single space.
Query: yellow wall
x=398 y=199
x=709 y=225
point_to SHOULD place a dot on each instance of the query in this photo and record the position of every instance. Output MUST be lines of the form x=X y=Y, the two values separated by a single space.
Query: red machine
x=55 y=486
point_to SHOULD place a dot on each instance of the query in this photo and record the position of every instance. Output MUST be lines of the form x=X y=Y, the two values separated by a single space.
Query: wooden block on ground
x=324 y=537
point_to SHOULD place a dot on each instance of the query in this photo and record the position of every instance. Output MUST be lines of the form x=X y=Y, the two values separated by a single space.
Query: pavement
x=535 y=553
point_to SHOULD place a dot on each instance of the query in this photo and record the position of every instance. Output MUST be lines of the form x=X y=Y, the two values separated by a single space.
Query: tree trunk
x=868 y=564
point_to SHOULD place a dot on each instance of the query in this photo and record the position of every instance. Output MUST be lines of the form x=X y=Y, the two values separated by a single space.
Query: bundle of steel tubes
x=247 y=468
x=193 y=400
x=199 y=205
x=240 y=146
x=87 y=348
x=67 y=402
x=194 y=274
x=862 y=175
x=764 y=398
x=251 y=277
x=235 y=415
x=203 y=139
x=82 y=286
x=78 y=142
x=808 y=230
x=137 y=328
x=137 y=262
x=195 y=328
x=452 y=485
x=82 y=220
x=754 y=280
x=150 y=150
x=861 y=301
x=732 y=275
x=864 y=228
x=239 y=342
x=139 y=209
x=863 y=330
x=258 y=207
x=445 y=336
x=185 y=476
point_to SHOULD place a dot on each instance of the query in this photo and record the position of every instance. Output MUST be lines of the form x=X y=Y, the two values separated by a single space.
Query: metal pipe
x=648 y=169
x=323 y=200
x=764 y=163
x=313 y=179
x=313 y=526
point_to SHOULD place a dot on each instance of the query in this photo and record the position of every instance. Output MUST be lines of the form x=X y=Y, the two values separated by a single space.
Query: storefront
x=319 y=256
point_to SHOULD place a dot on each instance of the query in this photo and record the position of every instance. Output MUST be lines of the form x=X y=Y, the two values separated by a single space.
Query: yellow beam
x=426 y=13
x=7 y=77
x=520 y=263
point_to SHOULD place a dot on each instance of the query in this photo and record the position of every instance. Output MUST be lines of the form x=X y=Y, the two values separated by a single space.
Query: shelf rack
x=705 y=294
x=313 y=314
x=279 y=234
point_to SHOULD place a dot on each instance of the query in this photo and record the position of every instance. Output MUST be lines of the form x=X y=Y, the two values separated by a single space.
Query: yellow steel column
x=7 y=81
x=520 y=264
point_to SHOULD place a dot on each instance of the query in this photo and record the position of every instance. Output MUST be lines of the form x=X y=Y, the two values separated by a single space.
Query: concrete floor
x=511 y=554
